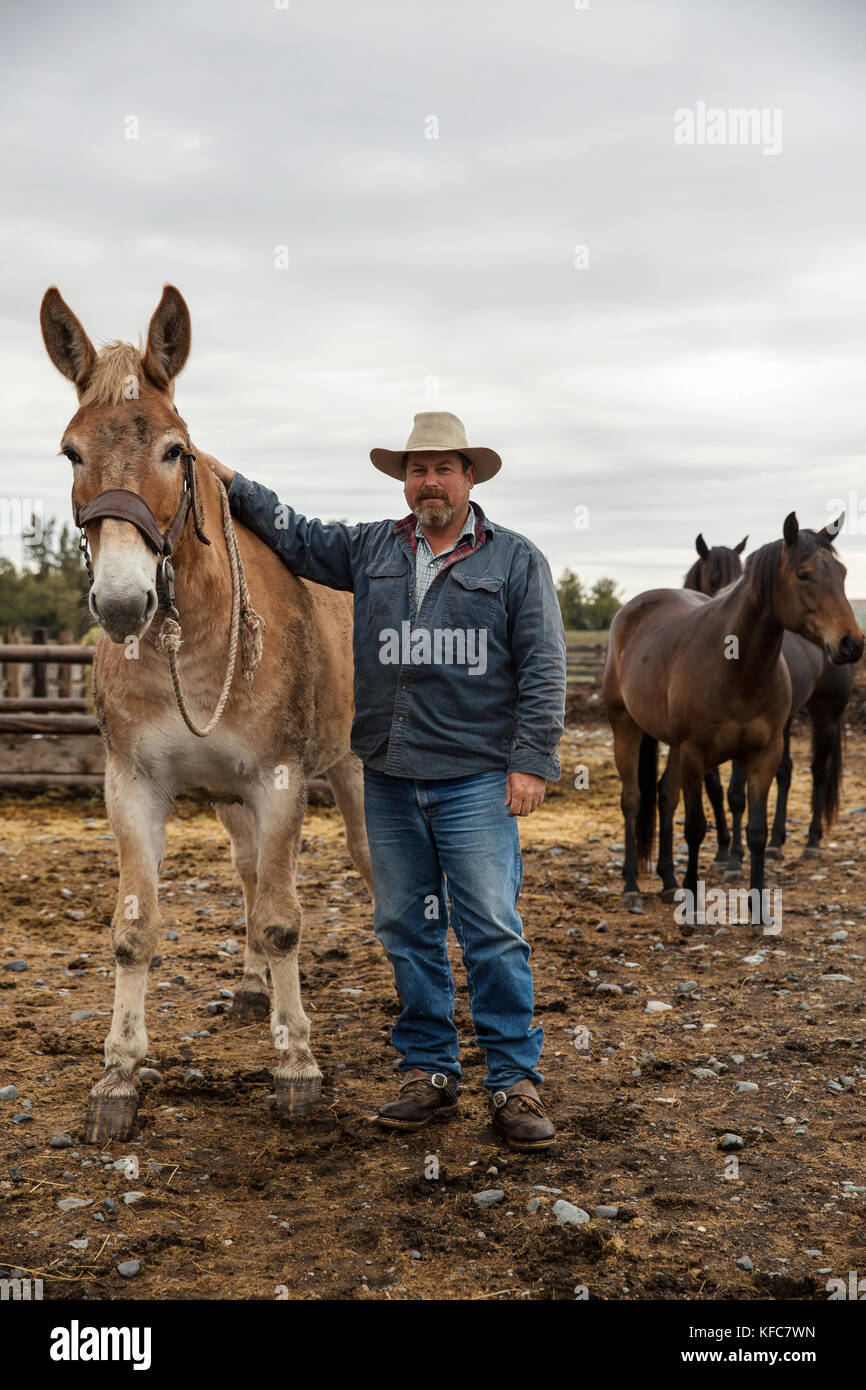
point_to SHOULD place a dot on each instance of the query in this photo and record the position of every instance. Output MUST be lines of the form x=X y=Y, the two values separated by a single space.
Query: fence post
x=40 y=668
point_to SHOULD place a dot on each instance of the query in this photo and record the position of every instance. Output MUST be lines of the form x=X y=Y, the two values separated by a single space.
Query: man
x=459 y=701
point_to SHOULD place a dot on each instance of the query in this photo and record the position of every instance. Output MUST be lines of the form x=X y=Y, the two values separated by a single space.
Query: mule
x=162 y=544
x=820 y=688
x=706 y=676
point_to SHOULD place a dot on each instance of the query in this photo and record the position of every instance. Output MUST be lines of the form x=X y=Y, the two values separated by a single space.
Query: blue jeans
x=453 y=839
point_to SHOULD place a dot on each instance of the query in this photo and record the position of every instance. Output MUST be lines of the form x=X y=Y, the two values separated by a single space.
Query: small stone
x=23 y=1118
x=80 y=1244
x=656 y=1006
x=226 y=994
x=533 y=1204
x=61 y=1141
x=490 y=1197
x=217 y=1006
x=704 y=1074
x=731 y=1141
x=8 y=1092
x=687 y=987
x=230 y=946
x=745 y=1263
x=554 y=1191
x=607 y=1213
x=128 y=1268
x=747 y=1086
x=130 y=1197
x=172 y=936
x=72 y=1203
x=149 y=1074
x=16 y=966
x=607 y=988
x=847 y=1081
x=80 y=1015
x=110 y=1206
x=193 y=1075
x=569 y=1215
x=738 y=1058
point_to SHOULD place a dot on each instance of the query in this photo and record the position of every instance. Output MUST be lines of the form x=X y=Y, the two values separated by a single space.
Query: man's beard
x=434 y=511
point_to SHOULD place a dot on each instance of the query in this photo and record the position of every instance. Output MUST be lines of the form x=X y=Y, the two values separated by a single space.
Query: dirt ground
x=238 y=1204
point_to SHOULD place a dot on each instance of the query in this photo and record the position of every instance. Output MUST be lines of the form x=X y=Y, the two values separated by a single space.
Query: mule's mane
x=109 y=379
x=762 y=566
x=721 y=567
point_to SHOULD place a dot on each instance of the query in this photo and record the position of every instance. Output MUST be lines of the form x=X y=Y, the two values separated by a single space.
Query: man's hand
x=524 y=793
x=223 y=473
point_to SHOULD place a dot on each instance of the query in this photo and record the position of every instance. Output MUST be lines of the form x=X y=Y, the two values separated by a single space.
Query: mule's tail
x=833 y=784
x=647 y=775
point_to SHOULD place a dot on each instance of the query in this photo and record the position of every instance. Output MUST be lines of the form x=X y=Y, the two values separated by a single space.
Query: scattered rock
x=61 y=1141
x=128 y=1268
x=569 y=1215
x=489 y=1198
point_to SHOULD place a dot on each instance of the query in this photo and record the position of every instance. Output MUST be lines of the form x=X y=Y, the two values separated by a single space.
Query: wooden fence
x=49 y=736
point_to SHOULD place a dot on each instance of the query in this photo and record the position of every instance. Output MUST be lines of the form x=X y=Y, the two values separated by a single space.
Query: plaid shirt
x=427 y=565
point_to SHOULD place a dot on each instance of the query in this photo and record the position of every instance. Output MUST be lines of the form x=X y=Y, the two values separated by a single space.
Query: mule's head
x=125 y=434
x=715 y=568
x=804 y=581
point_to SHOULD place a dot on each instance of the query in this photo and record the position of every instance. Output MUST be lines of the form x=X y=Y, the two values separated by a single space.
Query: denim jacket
x=476 y=683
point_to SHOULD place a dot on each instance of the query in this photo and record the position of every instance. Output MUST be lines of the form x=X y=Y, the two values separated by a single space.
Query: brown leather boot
x=519 y=1116
x=423 y=1097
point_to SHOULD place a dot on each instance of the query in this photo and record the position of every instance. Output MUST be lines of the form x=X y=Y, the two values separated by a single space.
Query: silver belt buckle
x=439 y=1080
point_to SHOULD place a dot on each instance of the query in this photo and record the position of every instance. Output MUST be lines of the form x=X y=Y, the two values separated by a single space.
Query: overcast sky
x=705 y=370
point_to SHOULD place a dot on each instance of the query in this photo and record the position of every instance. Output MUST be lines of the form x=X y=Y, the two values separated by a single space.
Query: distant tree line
x=587 y=610
x=50 y=591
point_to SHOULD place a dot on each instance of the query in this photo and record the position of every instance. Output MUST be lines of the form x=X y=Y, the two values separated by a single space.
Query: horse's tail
x=647 y=774
x=834 y=772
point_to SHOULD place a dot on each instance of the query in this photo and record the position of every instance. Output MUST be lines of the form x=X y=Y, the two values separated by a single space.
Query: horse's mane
x=762 y=566
x=722 y=566
x=114 y=365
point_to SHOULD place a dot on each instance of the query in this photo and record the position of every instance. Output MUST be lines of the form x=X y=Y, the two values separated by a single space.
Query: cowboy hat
x=437 y=430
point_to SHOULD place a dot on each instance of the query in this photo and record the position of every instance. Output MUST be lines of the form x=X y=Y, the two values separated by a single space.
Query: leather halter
x=124 y=505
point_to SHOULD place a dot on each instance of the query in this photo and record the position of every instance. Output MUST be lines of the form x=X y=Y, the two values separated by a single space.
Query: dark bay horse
x=707 y=677
x=819 y=687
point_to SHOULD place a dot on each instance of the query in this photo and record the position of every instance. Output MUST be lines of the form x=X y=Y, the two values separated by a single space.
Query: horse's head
x=126 y=434
x=715 y=567
x=804 y=581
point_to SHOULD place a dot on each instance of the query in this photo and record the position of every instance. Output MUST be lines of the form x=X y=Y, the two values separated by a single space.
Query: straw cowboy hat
x=437 y=430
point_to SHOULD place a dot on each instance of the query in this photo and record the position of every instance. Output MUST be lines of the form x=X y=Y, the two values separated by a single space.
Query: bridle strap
x=124 y=505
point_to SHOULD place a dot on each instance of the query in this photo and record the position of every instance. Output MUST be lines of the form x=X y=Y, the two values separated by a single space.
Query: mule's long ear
x=791 y=528
x=738 y=549
x=168 y=338
x=828 y=533
x=66 y=342
x=701 y=547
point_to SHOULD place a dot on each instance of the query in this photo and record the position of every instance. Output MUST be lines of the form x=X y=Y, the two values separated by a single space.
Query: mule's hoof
x=298 y=1096
x=250 y=1003
x=669 y=895
x=734 y=872
x=721 y=857
x=812 y=852
x=773 y=852
x=110 y=1117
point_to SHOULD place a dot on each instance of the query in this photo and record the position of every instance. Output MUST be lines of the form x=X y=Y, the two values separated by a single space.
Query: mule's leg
x=713 y=784
x=760 y=770
x=669 y=795
x=347 y=783
x=277 y=924
x=737 y=805
x=137 y=814
x=692 y=775
x=627 y=737
x=783 y=786
x=252 y=999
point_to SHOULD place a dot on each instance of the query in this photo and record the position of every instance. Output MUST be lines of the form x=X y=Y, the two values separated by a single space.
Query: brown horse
x=706 y=676
x=138 y=494
x=819 y=688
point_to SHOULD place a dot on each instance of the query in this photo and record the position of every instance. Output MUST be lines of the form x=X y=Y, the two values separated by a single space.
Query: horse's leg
x=826 y=746
x=669 y=795
x=737 y=805
x=137 y=812
x=713 y=784
x=783 y=786
x=627 y=737
x=252 y=999
x=760 y=770
x=347 y=783
x=692 y=774
x=277 y=924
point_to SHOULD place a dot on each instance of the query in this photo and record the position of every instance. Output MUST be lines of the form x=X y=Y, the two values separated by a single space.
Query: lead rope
x=170 y=636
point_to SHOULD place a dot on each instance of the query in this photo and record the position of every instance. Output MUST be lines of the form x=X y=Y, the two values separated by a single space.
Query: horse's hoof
x=812 y=852
x=773 y=852
x=250 y=1003
x=669 y=895
x=298 y=1096
x=110 y=1117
